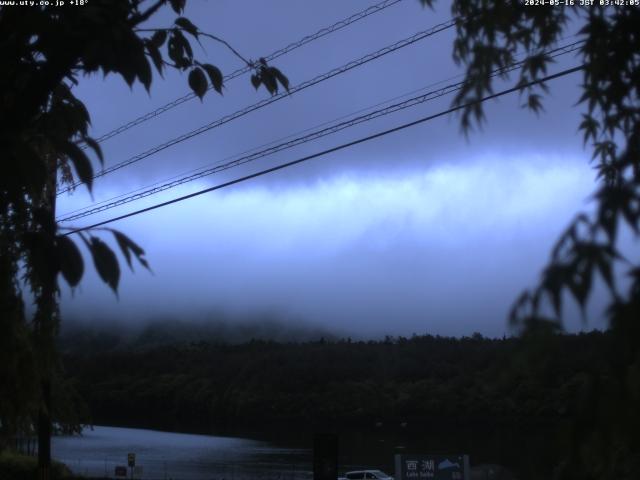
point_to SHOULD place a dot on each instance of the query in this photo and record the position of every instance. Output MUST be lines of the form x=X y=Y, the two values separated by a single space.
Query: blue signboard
x=432 y=467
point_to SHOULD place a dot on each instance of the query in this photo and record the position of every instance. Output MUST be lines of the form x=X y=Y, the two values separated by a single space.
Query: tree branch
x=225 y=43
x=138 y=19
x=208 y=35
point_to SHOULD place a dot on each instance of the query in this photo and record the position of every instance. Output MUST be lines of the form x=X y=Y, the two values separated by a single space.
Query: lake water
x=285 y=453
x=176 y=456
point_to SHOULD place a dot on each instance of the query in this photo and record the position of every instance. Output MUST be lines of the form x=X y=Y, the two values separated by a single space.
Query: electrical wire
x=259 y=147
x=268 y=101
x=272 y=56
x=330 y=150
x=564 y=49
x=411 y=102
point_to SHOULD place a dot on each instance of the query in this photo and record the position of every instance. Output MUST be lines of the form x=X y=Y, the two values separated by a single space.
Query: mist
x=423 y=231
x=442 y=250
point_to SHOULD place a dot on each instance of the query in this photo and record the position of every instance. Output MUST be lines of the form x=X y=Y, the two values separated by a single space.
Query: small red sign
x=121 y=471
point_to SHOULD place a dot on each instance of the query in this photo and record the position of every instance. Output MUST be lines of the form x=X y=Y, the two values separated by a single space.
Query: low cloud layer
x=442 y=250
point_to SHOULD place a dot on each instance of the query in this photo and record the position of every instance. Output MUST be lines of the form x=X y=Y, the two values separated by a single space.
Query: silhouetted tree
x=525 y=385
x=489 y=33
x=44 y=52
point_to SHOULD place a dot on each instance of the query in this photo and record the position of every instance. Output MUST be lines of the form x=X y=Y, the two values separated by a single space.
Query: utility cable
x=564 y=49
x=261 y=146
x=255 y=149
x=330 y=150
x=272 y=56
x=411 y=102
x=268 y=101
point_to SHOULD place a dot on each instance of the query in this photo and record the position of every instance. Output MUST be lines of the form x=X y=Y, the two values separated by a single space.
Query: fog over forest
x=422 y=230
x=445 y=251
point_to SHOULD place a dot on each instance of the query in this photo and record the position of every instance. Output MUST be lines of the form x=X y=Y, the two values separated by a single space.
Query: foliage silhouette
x=426 y=382
x=45 y=51
x=488 y=37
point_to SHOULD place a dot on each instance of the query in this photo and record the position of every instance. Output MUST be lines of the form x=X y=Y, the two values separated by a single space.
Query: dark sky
x=419 y=231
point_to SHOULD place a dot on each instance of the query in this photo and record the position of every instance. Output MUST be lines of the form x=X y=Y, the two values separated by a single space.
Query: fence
x=27 y=445
x=159 y=469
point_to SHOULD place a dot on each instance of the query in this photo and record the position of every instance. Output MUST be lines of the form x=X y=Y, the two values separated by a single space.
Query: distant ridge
x=102 y=336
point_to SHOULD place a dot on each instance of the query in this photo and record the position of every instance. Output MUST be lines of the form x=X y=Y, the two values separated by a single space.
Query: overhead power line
x=330 y=150
x=268 y=101
x=567 y=48
x=411 y=102
x=241 y=71
x=261 y=147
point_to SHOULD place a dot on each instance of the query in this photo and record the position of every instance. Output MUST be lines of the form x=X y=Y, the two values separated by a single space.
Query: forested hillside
x=204 y=386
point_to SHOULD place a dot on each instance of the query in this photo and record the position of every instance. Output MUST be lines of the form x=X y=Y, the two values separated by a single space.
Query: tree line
x=204 y=386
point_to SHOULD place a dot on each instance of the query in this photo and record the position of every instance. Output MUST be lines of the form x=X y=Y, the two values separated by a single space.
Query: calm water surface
x=177 y=456
x=284 y=453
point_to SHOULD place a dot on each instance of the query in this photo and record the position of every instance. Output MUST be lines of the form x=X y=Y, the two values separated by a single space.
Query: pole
x=45 y=319
x=44 y=431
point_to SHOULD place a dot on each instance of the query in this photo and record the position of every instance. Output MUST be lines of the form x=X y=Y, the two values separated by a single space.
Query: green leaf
x=180 y=49
x=536 y=63
x=184 y=43
x=554 y=276
x=198 y=82
x=128 y=246
x=268 y=80
x=144 y=72
x=126 y=66
x=178 y=5
x=255 y=81
x=580 y=285
x=175 y=51
x=105 y=262
x=608 y=219
x=81 y=163
x=186 y=24
x=95 y=146
x=70 y=260
x=215 y=75
x=158 y=38
x=605 y=267
x=155 y=55
x=518 y=306
x=284 y=81
x=590 y=127
x=534 y=104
